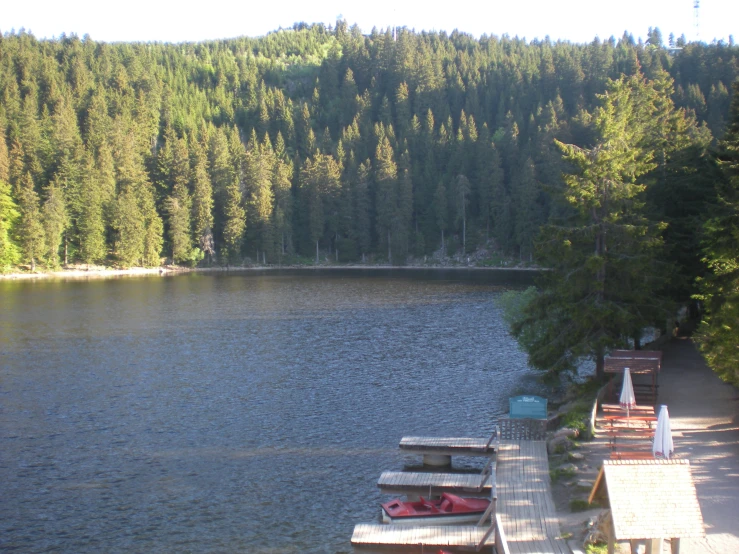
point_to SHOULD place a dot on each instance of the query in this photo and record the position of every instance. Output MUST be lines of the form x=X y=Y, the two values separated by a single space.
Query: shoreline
x=166 y=271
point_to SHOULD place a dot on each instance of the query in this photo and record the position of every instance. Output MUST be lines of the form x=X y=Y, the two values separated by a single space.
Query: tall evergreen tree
x=55 y=221
x=202 y=201
x=386 y=201
x=91 y=219
x=718 y=331
x=30 y=230
x=604 y=279
x=10 y=254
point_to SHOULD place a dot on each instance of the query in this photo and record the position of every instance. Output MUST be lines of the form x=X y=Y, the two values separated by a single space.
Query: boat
x=448 y=509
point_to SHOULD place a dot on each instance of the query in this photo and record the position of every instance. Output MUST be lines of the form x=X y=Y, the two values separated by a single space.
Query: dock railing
x=501 y=544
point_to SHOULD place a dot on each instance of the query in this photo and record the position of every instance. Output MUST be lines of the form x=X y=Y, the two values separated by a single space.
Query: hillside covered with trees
x=321 y=142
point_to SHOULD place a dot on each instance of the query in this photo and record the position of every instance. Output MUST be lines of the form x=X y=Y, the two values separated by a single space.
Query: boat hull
x=440 y=519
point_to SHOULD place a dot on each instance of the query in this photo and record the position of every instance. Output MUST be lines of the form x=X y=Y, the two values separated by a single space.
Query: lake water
x=245 y=412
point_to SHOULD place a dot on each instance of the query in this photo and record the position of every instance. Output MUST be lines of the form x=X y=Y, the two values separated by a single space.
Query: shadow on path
x=704 y=413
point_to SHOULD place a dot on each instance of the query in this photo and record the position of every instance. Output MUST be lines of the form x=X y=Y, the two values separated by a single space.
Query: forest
x=322 y=143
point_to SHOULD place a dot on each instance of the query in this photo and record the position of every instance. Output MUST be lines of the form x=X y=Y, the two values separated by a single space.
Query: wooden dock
x=525 y=505
x=429 y=484
x=460 y=446
x=464 y=536
x=439 y=450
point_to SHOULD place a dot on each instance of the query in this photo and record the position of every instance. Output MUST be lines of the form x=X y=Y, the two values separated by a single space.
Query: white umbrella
x=628 y=399
x=663 y=446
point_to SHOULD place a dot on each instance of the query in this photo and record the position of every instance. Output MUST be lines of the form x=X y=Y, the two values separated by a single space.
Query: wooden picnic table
x=616 y=409
x=632 y=455
x=624 y=420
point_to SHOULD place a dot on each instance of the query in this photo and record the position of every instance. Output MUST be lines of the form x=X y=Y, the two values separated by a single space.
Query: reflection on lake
x=224 y=413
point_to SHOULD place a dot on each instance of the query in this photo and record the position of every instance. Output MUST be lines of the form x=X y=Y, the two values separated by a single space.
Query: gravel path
x=704 y=414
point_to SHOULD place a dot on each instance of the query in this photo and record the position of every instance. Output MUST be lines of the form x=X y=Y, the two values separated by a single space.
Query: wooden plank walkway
x=525 y=504
x=449 y=446
x=465 y=536
x=411 y=482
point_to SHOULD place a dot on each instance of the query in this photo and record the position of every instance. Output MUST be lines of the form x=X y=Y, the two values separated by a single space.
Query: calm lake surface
x=244 y=412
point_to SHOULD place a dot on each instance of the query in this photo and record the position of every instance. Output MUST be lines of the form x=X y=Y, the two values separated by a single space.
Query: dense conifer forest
x=323 y=143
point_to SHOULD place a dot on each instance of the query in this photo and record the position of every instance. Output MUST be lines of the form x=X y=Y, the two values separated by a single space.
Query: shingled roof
x=651 y=499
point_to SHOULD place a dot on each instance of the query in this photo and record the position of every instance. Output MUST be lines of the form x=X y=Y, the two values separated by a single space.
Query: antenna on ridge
x=696 y=19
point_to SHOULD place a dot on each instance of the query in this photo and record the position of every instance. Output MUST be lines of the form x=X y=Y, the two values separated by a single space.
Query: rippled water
x=225 y=413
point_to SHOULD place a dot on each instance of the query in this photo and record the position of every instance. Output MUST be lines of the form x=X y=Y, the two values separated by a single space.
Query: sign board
x=530 y=407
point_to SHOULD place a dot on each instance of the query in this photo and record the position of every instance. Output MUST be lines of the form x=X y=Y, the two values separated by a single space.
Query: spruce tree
x=10 y=254
x=30 y=230
x=605 y=276
x=202 y=201
x=719 y=290
x=386 y=193
x=55 y=220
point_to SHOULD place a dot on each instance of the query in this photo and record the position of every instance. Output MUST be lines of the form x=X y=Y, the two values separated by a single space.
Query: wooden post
x=654 y=546
x=611 y=536
x=675 y=545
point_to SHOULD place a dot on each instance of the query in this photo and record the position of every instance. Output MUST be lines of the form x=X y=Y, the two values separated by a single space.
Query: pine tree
x=130 y=226
x=91 y=219
x=178 y=204
x=30 y=230
x=386 y=199
x=10 y=254
x=362 y=206
x=235 y=220
x=604 y=279
x=55 y=221
x=202 y=202
x=718 y=332
x=461 y=187
x=258 y=173
x=441 y=213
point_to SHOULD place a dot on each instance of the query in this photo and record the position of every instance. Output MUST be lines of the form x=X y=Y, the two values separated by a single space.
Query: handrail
x=501 y=543
x=485 y=474
x=486 y=536
x=489 y=511
x=494 y=436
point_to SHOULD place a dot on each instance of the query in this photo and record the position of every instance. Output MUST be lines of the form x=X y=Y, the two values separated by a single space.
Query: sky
x=184 y=20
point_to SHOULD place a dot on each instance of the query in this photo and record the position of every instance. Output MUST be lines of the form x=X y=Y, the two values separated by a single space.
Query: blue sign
x=529 y=407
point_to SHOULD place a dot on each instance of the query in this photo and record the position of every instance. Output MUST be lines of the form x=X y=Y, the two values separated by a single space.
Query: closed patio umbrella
x=627 y=399
x=663 y=446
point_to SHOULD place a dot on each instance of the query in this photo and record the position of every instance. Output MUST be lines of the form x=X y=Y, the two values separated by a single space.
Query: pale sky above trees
x=174 y=21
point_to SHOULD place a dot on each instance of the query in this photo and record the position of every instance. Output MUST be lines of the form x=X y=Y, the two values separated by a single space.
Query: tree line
x=321 y=142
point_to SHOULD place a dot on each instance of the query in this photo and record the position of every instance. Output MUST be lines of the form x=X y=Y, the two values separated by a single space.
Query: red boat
x=449 y=509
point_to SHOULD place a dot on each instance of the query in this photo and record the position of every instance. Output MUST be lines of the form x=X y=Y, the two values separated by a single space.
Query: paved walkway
x=704 y=414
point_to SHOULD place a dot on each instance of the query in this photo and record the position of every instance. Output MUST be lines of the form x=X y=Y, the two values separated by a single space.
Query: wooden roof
x=651 y=499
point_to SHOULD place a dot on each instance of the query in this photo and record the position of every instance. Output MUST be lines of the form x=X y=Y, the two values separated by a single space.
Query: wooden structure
x=525 y=505
x=468 y=537
x=438 y=451
x=522 y=429
x=638 y=362
x=429 y=484
x=629 y=433
x=649 y=501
